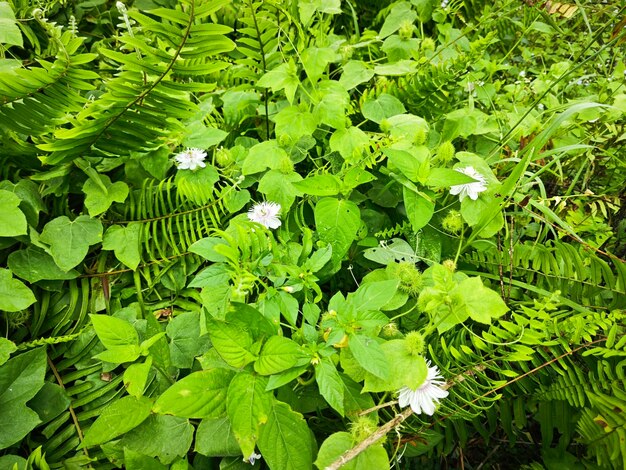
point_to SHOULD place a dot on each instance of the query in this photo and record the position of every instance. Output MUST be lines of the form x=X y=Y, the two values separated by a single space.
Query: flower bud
x=406 y=29
x=446 y=152
x=415 y=343
x=453 y=222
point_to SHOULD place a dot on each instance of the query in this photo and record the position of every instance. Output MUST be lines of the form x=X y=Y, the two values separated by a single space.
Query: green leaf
x=197 y=185
x=12 y=219
x=407 y=126
x=293 y=123
x=414 y=165
x=7 y=347
x=405 y=369
x=124 y=241
x=482 y=303
x=399 y=14
x=315 y=60
x=203 y=137
x=374 y=457
x=280 y=187
x=231 y=342
x=14 y=295
x=51 y=400
x=205 y=247
x=337 y=223
x=185 y=340
x=350 y=143
x=201 y=394
x=319 y=185
x=333 y=100
x=21 y=377
x=283 y=77
x=373 y=295
x=120 y=354
x=28 y=192
x=136 y=461
x=101 y=194
x=263 y=156
x=445 y=177
x=116 y=419
x=9 y=31
x=70 y=240
x=354 y=73
x=114 y=332
x=383 y=107
x=419 y=210
x=330 y=384
x=33 y=264
x=285 y=440
x=165 y=437
x=248 y=406
x=136 y=376
x=215 y=438
x=278 y=354
x=369 y=355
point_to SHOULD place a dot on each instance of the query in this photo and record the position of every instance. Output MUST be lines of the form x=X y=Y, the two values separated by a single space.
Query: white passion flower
x=190 y=159
x=425 y=398
x=253 y=458
x=469 y=189
x=265 y=213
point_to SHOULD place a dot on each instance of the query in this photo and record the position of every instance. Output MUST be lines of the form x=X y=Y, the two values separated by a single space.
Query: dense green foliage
x=150 y=321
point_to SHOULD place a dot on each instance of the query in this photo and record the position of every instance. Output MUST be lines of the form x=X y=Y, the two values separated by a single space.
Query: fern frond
x=145 y=105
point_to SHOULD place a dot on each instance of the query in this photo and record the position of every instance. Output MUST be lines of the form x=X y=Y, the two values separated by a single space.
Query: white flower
x=253 y=458
x=426 y=396
x=190 y=159
x=266 y=213
x=469 y=189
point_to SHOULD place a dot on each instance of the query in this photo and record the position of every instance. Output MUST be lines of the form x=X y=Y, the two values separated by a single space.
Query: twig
x=79 y=431
x=370 y=440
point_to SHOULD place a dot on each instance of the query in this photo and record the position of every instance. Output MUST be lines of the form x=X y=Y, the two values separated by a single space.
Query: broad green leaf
x=333 y=101
x=280 y=187
x=308 y=7
x=165 y=437
x=399 y=14
x=9 y=31
x=283 y=77
x=248 y=406
x=369 y=355
x=120 y=354
x=28 y=192
x=203 y=137
x=21 y=377
x=350 y=143
x=374 y=457
x=124 y=241
x=12 y=219
x=33 y=264
x=373 y=295
x=354 y=399
x=419 y=210
x=445 y=177
x=205 y=247
x=319 y=185
x=118 y=418
x=405 y=369
x=409 y=127
x=319 y=259
x=337 y=223
x=482 y=303
x=414 y=165
x=114 y=332
x=383 y=107
x=49 y=402
x=278 y=354
x=293 y=123
x=136 y=377
x=285 y=440
x=136 y=461
x=197 y=185
x=14 y=295
x=330 y=384
x=7 y=347
x=354 y=73
x=185 y=340
x=231 y=342
x=201 y=394
x=100 y=195
x=263 y=156
x=215 y=438
x=70 y=240
x=315 y=60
